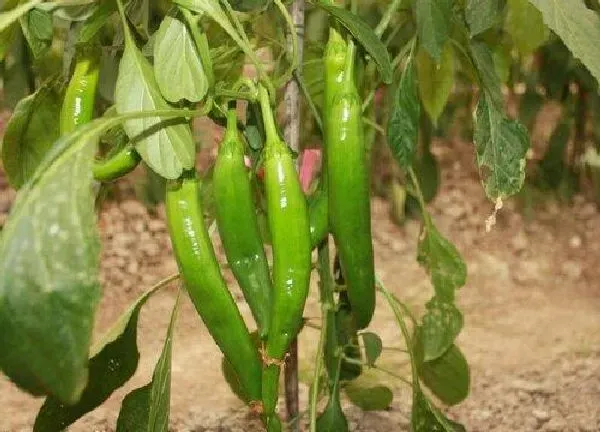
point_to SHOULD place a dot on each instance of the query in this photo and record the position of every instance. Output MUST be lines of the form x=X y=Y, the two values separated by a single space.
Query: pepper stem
x=267 y=114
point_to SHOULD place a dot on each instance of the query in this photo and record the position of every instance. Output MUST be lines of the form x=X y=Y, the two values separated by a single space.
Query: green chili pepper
x=122 y=162
x=349 y=194
x=290 y=237
x=318 y=216
x=335 y=67
x=205 y=284
x=238 y=225
x=80 y=97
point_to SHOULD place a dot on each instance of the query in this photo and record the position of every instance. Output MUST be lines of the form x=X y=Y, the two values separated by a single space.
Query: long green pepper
x=238 y=225
x=290 y=236
x=204 y=282
x=349 y=194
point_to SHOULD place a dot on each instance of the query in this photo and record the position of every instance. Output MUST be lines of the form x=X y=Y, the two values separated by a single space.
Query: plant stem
x=387 y=17
x=292 y=43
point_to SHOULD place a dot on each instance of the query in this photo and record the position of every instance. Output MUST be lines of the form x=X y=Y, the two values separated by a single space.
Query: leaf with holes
x=440 y=326
x=525 y=24
x=167 y=147
x=114 y=359
x=433 y=25
x=447 y=376
x=577 y=26
x=373 y=347
x=501 y=145
x=175 y=55
x=403 y=124
x=435 y=80
x=30 y=133
x=147 y=408
x=442 y=261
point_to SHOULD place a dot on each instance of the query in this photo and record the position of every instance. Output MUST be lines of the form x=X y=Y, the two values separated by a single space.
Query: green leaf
x=96 y=21
x=373 y=347
x=114 y=359
x=175 y=55
x=170 y=149
x=501 y=146
x=425 y=417
x=440 y=326
x=213 y=9
x=577 y=26
x=435 y=80
x=37 y=29
x=427 y=170
x=403 y=124
x=332 y=419
x=447 y=377
x=250 y=5
x=489 y=80
x=365 y=35
x=482 y=15
x=442 y=261
x=525 y=24
x=375 y=398
x=30 y=132
x=147 y=408
x=9 y=17
x=433 y=25
x=49 y=257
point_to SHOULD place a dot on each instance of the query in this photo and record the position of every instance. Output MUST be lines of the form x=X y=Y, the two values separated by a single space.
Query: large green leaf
x=170 y=149
x=403 y=124
x=49 y=257
x=447 y=376
x=30 y=132
x=146 y=409
x=369 y=398
x=501 y=146
x=175 y=55
x=577 y=26
x=525 y=24
x=489 y=80
x=114 y=360
x=433 y=25
x=482 y=15
x=442 y=261
x=440 y=326
x=365 y=36
x=37 y=29
x=425 y=417
x=435 y=80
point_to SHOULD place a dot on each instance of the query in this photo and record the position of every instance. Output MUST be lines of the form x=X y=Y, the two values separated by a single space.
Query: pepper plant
x=98 y=88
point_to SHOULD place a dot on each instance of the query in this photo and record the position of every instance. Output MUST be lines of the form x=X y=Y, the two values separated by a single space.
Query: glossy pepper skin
x=117 y=165
x=80 y=97
x=349 y=195
x=204 y=282
x=335 y=69
x=290 y=237
x=238 y=225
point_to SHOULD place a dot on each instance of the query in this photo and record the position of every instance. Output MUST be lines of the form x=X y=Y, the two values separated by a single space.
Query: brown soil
x=531 y=304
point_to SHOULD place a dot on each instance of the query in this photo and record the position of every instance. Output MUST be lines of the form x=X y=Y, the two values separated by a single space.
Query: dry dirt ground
x=531 y=304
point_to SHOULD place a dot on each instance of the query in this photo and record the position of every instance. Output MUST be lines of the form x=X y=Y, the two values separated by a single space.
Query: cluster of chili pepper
x=276 y=297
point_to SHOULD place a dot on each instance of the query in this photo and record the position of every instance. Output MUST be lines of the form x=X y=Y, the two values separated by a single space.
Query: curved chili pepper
x=80 y=97
x=205 y=284
x=290 y=236
x=238 y=225
x=122 y=162
x=349 y=194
